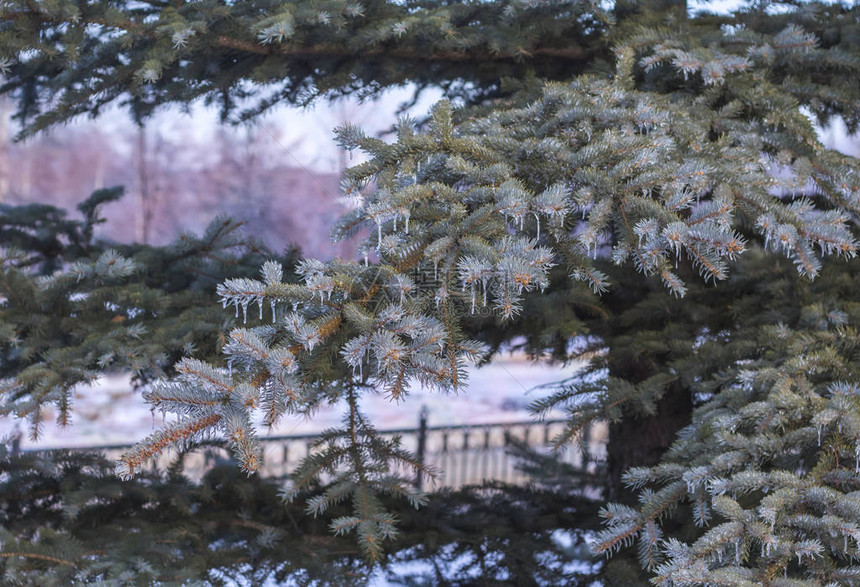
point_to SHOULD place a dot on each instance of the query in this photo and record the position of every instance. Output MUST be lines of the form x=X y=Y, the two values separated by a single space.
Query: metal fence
x=463 y=454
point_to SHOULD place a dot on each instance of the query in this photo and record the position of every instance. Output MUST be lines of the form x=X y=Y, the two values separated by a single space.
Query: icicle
x=819 y=436
x=295 y=306
x=260 y=303
x=407 y=220
x=245 y=312
x=236 y=303
x=274 y=317
x=485 y=291
x=366 y=262
x=435 y=270
x=473 y=298
x=224 y=303
x=379 y=233
x=230 y=367
x=522 y=218
x=737 y=552
x=537 y=220
x=152 y=411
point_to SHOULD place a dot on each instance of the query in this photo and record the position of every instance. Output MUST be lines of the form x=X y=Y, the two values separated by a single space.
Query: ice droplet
x=857 y=458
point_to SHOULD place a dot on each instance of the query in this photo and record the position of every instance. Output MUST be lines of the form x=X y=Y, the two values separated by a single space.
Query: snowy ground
x=109 y=412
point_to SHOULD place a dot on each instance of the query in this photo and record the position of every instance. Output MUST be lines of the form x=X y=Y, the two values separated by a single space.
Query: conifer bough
x=692 y=151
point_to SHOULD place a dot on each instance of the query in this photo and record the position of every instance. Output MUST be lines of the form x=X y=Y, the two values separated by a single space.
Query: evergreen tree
x=597 y=158
x=75 y=307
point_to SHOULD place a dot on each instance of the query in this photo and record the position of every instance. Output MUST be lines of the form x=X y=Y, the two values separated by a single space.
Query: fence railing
x=463 y=454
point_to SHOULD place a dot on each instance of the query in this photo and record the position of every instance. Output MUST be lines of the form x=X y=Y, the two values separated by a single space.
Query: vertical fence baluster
x=444 y=458
x=486 y=455
x=422 y=444
x=505 y=465
x=464 y=465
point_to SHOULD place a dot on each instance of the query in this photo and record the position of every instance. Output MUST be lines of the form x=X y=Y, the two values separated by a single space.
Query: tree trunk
x=638 y=305
x=141 y=194
x=641 y=442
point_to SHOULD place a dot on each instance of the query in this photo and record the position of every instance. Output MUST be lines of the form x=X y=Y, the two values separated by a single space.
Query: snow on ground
x=110 y=412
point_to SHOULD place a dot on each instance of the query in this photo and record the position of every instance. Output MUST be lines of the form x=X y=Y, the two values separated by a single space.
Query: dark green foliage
x=88 y=55
x=66 y=517
x=767 y=468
